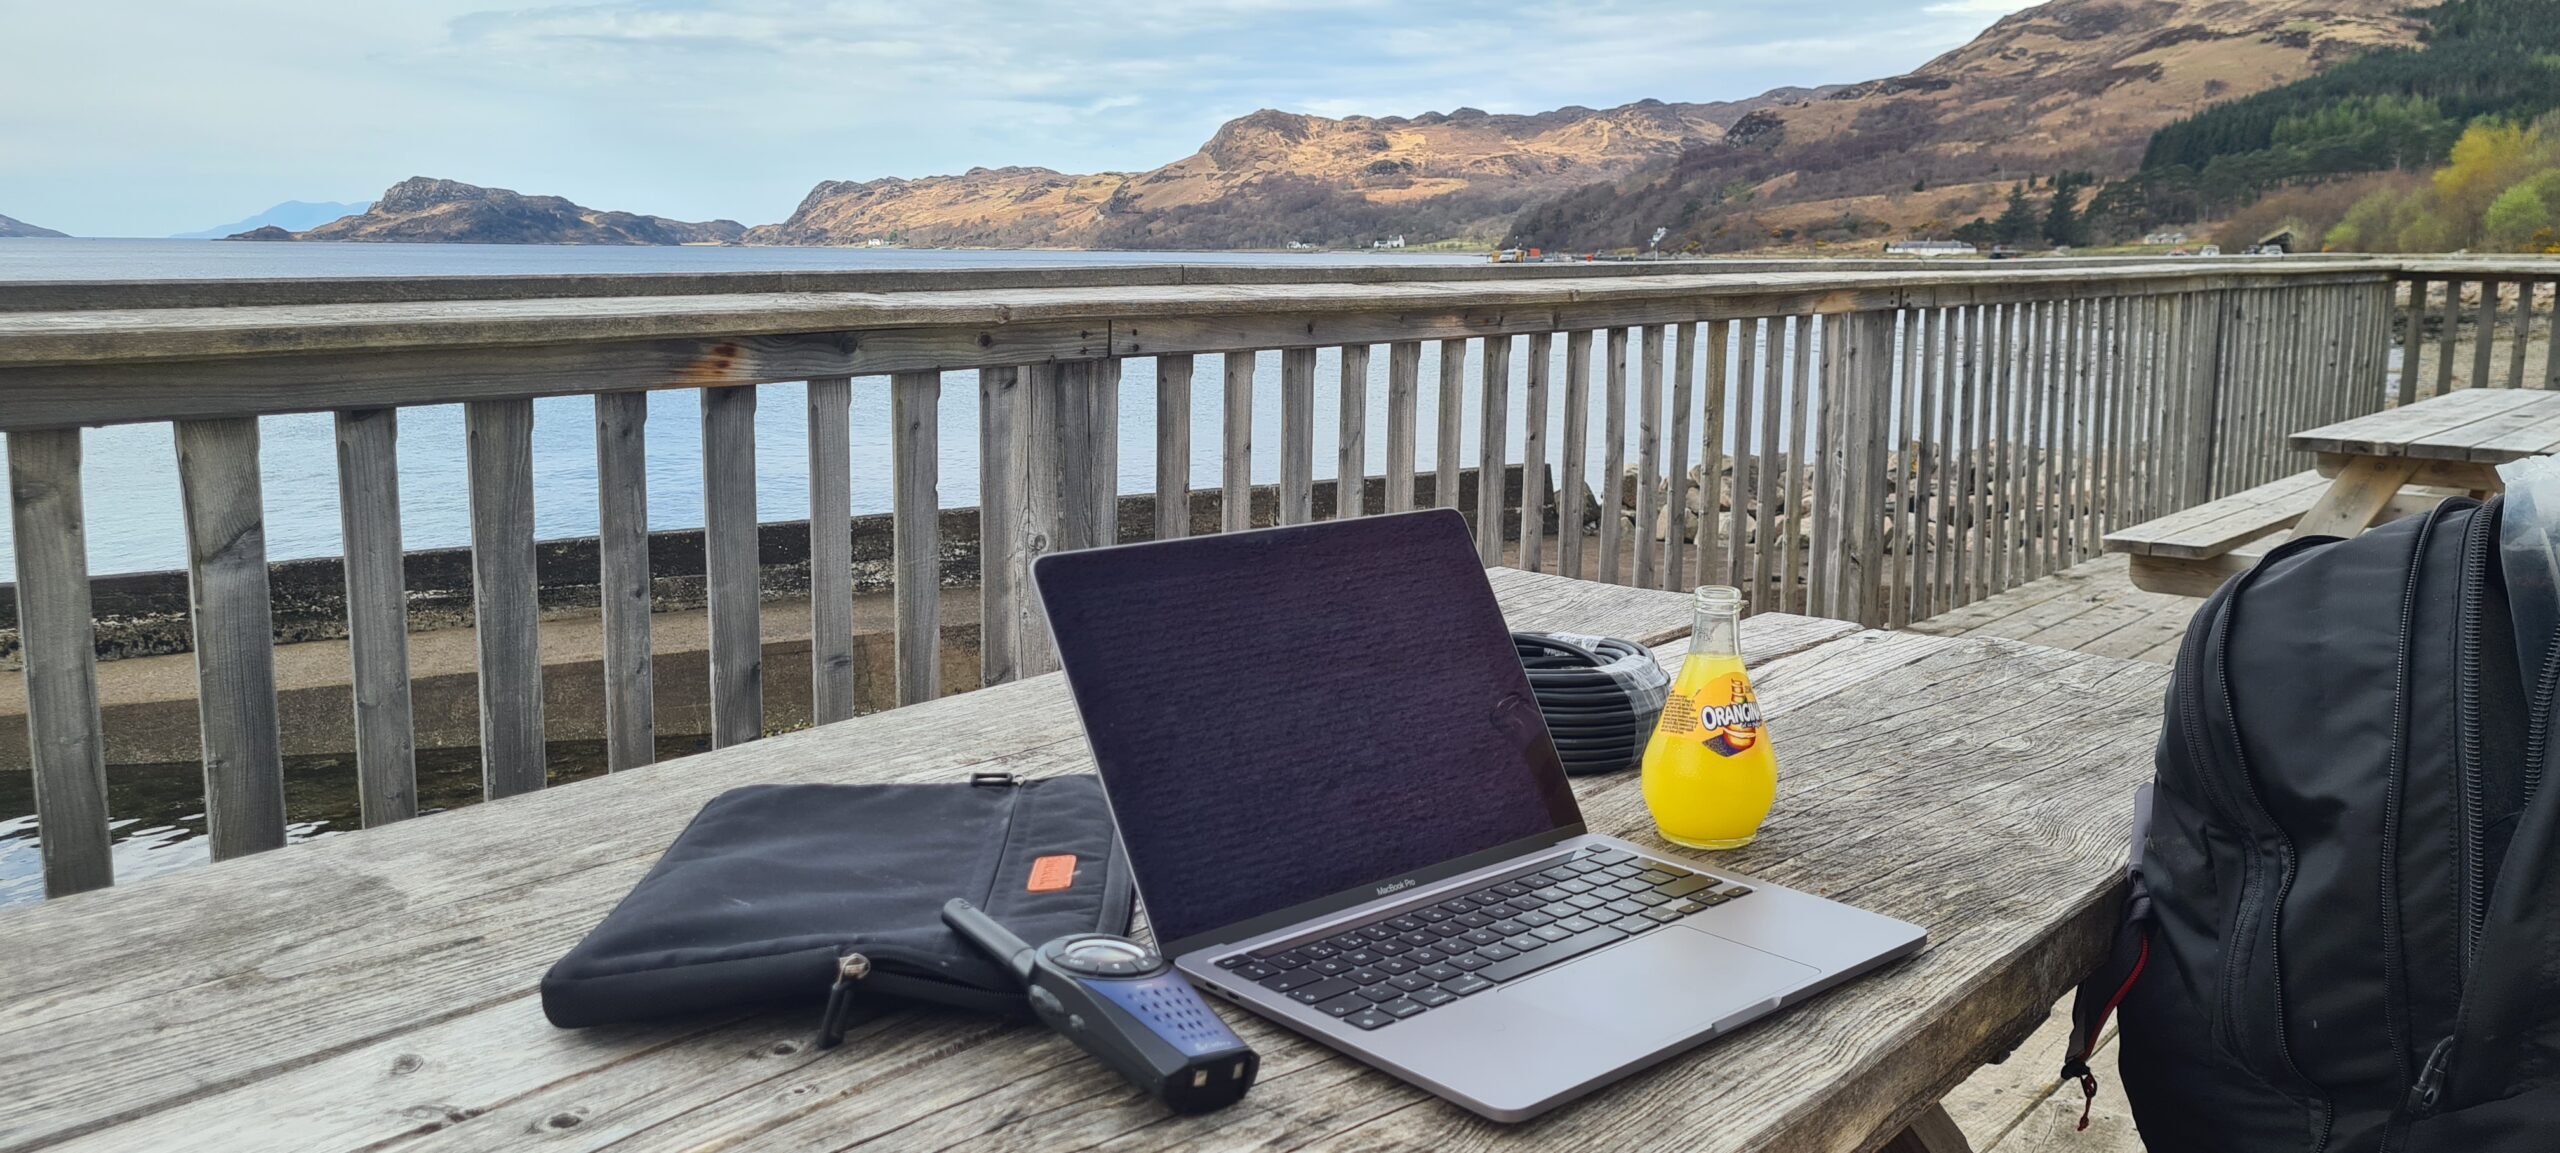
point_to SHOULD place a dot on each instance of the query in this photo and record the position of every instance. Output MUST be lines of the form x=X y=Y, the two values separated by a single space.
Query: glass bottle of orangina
x=1710 y=776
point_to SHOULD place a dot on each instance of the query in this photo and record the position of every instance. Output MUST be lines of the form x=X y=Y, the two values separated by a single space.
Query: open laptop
x=1343 y=811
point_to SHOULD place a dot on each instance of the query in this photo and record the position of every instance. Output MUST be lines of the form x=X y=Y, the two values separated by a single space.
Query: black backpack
x=2340 y=938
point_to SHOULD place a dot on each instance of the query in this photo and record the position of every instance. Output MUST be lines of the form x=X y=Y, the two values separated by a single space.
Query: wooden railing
x=1879 y=442
x=2473 y=323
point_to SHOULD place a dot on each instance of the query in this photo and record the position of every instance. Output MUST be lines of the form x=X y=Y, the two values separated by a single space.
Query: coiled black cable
x=1601 y=697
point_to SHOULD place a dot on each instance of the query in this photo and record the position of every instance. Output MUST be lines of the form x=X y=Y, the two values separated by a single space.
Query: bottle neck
x=1716 y=632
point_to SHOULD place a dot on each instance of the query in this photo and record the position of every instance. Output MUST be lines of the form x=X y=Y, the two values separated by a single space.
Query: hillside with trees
x=2355 y=137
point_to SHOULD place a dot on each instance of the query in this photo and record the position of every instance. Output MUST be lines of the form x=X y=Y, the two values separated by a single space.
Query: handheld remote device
x=1121 y=1002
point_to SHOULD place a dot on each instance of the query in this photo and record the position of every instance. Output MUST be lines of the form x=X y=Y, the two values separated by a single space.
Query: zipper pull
x=850 y=968
x=2079 y=1069
x=2429 y=1091
x=994 y=780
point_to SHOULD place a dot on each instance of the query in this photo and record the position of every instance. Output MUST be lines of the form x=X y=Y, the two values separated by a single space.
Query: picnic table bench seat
x=2192 y=551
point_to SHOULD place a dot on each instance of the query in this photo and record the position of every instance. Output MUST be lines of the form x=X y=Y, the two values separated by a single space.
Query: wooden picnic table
x=2370 y=470
x=377 y=990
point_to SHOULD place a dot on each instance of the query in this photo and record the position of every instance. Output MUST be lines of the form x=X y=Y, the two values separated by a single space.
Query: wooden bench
x=2191 y=552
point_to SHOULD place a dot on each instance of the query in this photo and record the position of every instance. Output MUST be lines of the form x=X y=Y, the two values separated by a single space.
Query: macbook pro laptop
x=1343 y=811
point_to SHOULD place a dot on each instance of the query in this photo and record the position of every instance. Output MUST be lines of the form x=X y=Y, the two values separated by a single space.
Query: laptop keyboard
x=1376 y=974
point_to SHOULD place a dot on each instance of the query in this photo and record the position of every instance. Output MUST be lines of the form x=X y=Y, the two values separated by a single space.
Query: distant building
x=1300 y=246
x=1929 y=248
x=2166 y=237
x=1390 y=242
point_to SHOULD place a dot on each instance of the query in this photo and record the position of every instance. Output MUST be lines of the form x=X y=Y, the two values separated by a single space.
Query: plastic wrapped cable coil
x=1601 y=697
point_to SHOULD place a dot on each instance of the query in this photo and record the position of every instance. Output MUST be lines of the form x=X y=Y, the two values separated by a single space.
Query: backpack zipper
x=2473 y=847
x=2395 y=1002
x=2284 y=844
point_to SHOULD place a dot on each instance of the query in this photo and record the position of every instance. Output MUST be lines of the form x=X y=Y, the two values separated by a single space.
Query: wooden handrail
x=1901 y=439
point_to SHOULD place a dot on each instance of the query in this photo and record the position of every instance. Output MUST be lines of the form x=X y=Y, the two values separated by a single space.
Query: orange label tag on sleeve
x=1053 y=874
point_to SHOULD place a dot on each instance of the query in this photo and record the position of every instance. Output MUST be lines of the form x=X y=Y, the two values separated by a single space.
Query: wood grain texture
x=1173 y=446
x=57 y=643
x=1575 y=468
x=1447 y=458
x=1404 y=387
x=1351 y=465
x=1798 y=585
x=729 y=565
x=1533 y=454
x=1101 y=449
x=1493 y=447
x=498 y=446
x=1297 y=435
x=234 y=642
x=622 y=577
x=1003 y=483
x=1034 y=473
x=1684 y=368
x=831 y=682
x=1236 y=469
x=1613 y=459
x=1648 y=555
x=377 y=615
x=1714 y=428
x=915 y=500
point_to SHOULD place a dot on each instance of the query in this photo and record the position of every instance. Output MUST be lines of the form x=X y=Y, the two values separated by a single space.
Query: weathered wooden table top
x=377 y=991
x=2482 y=425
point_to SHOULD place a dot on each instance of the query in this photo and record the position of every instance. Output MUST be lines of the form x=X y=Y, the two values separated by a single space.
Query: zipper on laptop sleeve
x=851 y=968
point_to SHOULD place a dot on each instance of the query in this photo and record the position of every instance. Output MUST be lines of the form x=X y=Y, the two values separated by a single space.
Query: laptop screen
x=1286 y=715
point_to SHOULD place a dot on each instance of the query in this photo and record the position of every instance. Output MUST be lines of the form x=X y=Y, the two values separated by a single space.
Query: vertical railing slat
x=377 y=615
x=1493 y=447
x=234 y=634
x=622 y=574
x=1648 y=561
x=2448 y=331
x=1033 y=472
x=831 y=687
x=2484 y=334
x=1711 y=455
x=1173 y=447
x=1822 y=584
x=2414 y=321
x=915 y=504
x=66 y=743
x=1675 y=543
x=506 y=607
x=1533 y=455
x=1351 y=466
x=1003 y=565
x=729 y=564
x=1613 y=458
x=1235 y=468
x=1297 y=435
x=1101 y=449
x=1453 y=393
x=1766 y=374
x=1404 y=386
x=1799 y=585
x=1574 y=463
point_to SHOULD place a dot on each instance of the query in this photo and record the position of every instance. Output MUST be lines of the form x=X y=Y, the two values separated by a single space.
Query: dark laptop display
x=1274 y=733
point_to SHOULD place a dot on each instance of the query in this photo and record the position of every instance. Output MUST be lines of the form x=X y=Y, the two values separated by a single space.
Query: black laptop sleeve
x=776 y=892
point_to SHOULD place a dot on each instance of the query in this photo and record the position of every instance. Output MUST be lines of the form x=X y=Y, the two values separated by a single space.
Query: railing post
x=915 y=532
x=1857 y=415
x=1002 y=571
x=66 y=745
x=377 y=614
x=729 y=567
x=831 y=683
x=234 y=634
x=623 y=579
x=2207 y=316
x=498 y=442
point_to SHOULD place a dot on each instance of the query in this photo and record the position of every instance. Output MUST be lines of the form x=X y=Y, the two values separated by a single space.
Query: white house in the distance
x=1390 y=242
x=2165 y=236
x=1929 y=248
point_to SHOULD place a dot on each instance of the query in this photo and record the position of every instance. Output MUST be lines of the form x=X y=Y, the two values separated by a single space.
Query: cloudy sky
x=149 y=117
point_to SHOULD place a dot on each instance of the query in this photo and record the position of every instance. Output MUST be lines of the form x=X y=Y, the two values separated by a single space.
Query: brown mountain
x=424 y=210
x=2067 y=85
x=1273 y=178
x=10 y=227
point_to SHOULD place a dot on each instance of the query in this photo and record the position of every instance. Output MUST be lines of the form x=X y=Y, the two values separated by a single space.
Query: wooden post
x=1684 y=365
x=1101 y=449
x=2204 y=352
x=1648 y=561
x=1493 y=448
x=505 y=604
x=377 y=614
x=831 y=686
x=1855 y=456
x=729 y=566
x=1797 y=584
x=1351 y=466
x=2404 y=387
x=234 y=637
x=1297 y=435
x=1453 y=390
x=1613 y=459
x=915 y=505
x=1002 y=484
x=1748 y=465
x=1404 y=384
x=1033 y=474
x=66 y=744
x=1235 y=492
x=1173 y=447
x=1533 y=455
x=1711 y=457
x=1572 y=480
x=622 y=577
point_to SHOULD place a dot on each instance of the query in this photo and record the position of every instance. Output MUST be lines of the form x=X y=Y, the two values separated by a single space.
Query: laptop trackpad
x=1668 y=983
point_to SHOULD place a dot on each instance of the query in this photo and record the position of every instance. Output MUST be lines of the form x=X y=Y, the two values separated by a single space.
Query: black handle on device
x=1121 y=1002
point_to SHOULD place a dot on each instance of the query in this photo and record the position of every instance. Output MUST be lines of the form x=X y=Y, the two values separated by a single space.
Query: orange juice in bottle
x=1709 y=774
